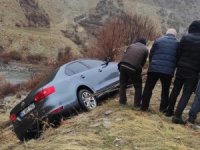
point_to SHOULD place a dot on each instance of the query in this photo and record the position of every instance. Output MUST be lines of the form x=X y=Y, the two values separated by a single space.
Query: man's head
x=141 y=40
x=171 y=31
x=194 y=27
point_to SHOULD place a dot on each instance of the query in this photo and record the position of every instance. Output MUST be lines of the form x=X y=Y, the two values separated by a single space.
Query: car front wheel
x=87 y=100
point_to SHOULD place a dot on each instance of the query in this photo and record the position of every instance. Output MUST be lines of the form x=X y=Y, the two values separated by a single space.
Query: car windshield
x=92 y=63
x=74 y=68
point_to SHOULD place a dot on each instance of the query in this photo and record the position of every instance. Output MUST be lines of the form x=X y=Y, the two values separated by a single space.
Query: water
x=15 y=74
x=15 y=77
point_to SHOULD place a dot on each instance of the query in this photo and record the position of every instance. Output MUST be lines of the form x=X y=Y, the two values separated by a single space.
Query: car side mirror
x=106 y=61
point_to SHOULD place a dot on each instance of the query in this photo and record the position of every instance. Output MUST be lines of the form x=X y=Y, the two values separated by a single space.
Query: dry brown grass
x=7 y=88
x=10 y=56
x=123 y=129
x=36 y=58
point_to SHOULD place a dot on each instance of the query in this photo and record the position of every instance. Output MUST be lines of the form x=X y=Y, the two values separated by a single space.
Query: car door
x=111 y=76
x=101 y=76
x=84 y=74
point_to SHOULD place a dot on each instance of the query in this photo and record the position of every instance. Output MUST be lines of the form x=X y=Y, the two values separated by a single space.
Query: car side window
x=92 y=63
x=75 y=68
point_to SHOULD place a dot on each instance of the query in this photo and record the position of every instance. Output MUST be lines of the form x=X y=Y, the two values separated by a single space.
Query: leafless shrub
x=7 y=88
x=36 y=79
x=36 y=58
x=64 y=56
x=120 y=31
x=12 y=55
x=1 y=49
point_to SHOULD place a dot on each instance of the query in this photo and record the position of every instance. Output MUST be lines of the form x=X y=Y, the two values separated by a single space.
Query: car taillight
x=57 y=110
x=44 y=93
x=13 y=117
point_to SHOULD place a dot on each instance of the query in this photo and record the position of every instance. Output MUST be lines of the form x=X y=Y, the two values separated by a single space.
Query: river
x=15 y=73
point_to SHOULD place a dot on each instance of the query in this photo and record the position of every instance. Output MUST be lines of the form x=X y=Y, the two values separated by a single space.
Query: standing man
x=130 y=68
x=188 y=67
x=162 y=63
x=195 y=106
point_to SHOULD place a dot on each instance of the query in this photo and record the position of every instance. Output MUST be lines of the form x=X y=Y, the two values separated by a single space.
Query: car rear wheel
x=87 y=100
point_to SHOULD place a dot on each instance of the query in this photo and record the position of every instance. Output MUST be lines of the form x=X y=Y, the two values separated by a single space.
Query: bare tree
x=119 y=32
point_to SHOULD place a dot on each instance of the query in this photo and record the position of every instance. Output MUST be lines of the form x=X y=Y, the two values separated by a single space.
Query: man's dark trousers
x=127 y=75
x=152 y=78
x=195 y=106
x=188 y=85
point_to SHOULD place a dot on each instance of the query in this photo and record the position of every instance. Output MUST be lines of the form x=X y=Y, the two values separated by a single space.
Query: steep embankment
x=34 y=26
x=111 y=126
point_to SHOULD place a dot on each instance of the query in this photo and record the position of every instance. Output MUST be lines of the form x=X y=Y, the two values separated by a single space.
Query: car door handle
x=100 y=70
x=82 y=76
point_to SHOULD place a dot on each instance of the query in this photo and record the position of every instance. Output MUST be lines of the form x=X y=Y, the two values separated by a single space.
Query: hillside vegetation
x=111 y=126
x=37 y=26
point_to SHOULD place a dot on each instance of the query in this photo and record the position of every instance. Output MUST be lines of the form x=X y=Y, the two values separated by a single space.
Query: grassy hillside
x=111 y=126
x=35 y=41
x=21 y=20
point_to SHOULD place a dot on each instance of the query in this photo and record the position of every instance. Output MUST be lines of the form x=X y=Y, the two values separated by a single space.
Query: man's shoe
x=178 y=120
x=188 y=123
x=136 y=107
x=143 y=109
x=122 y=102
x=146 y=110
x=169 y=113
x=163 y=110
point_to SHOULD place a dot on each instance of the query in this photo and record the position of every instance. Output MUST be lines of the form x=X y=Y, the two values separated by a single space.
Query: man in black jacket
x=188 y=67
x=130 y=68
x=162 y=63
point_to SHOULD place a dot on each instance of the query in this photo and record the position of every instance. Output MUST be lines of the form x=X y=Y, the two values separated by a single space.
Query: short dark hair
x=194 y=27
x=141 y=40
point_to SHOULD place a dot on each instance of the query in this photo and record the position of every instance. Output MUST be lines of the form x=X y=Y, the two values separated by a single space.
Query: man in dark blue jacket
x=162 y=63
x=188 y=68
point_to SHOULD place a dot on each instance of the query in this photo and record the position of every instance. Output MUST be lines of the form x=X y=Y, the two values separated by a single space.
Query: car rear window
x=48 y=79
x=75 y=68
x=92 y=63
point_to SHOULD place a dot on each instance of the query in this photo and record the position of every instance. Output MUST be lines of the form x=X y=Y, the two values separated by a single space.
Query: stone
x=108 y=112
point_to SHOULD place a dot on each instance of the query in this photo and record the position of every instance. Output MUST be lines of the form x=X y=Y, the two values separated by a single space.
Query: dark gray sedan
x=76 y=84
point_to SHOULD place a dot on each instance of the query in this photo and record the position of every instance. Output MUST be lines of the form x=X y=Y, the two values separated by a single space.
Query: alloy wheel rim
x=88 y=100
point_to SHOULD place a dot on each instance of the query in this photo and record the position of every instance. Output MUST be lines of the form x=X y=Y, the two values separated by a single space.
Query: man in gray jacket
x=130 y=68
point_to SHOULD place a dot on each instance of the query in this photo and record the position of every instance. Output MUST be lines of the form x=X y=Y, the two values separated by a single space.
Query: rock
x=108 y=112
x=79 y=29
x=119 y=119
x=106 y=123
x=118 y=142
x=178 y=137
x=95 y=125
x=197 y=127
x=8 y=99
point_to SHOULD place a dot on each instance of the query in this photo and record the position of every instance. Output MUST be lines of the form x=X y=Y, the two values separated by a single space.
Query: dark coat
x=189 y=52
x=135 y=56
x=163 y=55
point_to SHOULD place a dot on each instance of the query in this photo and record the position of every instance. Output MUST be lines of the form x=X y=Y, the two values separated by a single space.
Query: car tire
x=86 y=100
x=28 y=136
